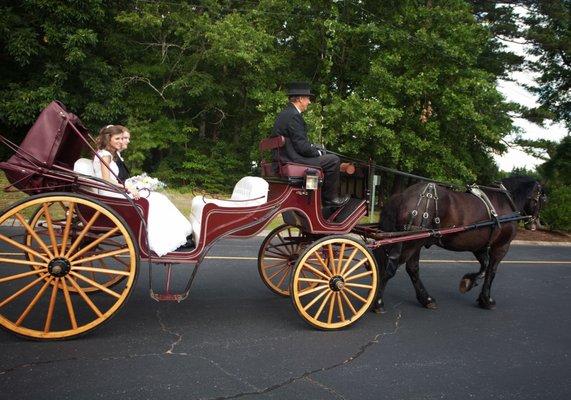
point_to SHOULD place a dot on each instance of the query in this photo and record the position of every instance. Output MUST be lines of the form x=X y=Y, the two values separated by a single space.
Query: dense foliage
x=410 y=84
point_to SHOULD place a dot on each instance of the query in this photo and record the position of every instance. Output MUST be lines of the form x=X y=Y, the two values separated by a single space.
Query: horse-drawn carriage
x=70 y=253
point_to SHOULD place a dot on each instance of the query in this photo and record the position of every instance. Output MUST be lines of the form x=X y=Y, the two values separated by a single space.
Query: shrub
x=557 y=213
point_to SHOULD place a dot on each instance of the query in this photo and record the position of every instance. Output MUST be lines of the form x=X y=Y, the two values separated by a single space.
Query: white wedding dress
x=167 y=227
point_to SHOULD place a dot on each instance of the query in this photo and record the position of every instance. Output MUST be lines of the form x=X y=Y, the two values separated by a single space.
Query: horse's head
x=528 y=196
x=535 y=201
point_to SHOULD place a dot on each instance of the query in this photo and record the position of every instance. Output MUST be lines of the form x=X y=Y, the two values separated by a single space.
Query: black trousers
x=329 y=163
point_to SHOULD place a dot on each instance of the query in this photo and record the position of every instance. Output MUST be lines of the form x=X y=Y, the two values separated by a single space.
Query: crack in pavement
x=228 y=373
x=171 y=332
x=307 y=374
x=326 y=388
x=164 y=328
x=256 y=391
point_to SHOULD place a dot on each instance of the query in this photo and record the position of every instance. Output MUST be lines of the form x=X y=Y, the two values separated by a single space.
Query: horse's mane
x=520 y=187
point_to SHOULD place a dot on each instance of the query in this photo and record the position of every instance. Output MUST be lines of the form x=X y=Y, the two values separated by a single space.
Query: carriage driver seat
x=294 y=172
x=249 y=191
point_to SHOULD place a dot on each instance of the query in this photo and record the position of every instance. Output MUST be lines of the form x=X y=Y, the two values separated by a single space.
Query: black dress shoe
x=338 y=202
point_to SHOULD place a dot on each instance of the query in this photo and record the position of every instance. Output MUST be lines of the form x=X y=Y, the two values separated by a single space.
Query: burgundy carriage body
x=44 y=163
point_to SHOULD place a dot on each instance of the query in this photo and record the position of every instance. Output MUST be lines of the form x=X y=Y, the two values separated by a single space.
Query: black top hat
x=299 y=89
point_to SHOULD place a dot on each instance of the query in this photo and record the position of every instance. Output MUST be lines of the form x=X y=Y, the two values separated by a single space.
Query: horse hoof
x=465 y=285
x=378 y=309
x=487 y=304
x=428 y=302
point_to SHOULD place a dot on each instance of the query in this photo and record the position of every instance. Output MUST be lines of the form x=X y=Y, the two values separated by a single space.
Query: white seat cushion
x=249 y=191
x=84 y=166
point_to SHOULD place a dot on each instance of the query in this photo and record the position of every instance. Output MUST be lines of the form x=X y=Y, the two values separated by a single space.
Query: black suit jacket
x=291 y=125
x=123 y=170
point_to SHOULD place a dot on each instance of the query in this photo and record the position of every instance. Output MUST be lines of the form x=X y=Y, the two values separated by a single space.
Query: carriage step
x=347 y=210
x=178 y=297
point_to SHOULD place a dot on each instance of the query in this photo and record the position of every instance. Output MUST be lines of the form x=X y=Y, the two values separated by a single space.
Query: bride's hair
x=105 y=135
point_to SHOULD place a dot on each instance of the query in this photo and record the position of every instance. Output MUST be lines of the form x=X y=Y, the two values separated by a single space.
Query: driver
x=298 y=149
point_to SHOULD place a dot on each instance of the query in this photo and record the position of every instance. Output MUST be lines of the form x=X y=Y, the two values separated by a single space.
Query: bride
x=167 y=228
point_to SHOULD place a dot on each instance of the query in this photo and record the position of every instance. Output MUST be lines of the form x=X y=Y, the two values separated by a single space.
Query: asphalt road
x=233 y=338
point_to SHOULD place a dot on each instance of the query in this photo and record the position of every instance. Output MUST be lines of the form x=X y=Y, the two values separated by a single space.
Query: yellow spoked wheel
x=277 y=256
x=344 y=275
x=55 y=271
x=52 y=218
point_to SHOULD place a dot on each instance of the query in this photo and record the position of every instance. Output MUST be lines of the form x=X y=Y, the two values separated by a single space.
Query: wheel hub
x=336 y=283
x=59 y=267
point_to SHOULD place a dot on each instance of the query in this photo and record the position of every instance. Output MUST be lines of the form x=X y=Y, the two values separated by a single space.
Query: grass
x=8 y=198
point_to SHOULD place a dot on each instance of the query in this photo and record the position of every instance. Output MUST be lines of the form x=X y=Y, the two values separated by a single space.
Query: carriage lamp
x=311 y=179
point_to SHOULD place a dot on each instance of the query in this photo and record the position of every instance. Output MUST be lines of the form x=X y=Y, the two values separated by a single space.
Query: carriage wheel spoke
x=51 y=229
x=31 y=231
x=94 y=243
x=340 y=306
x=97 y=285
x=285 y=275
x=315 y=271
x=331 y=260
x=272 y=276
x=82 y=234
x=348 y=273
x=85 y=297
x=348 y=301
x=100 y=256
x=67 y=227
x=281 y=239
x=69 y=305
x=23 y=290
x=323 y=304
x=361 y=275
x=276 y=252
x=359 y=285
x=280 y=264
x=52 y=306
x=348 y=262
x=102 y=270
x=341 y=253
x=23 y=247
x=21 y=262
x=23 y=275
x=352 y=293
x=331 y=307
x=316 y=299
x=34 y=301
x=315 y=289
x=322 y=262
x=313 y=280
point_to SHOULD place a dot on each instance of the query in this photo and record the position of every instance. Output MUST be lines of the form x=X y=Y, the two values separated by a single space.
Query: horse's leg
x=412 y=267
x=496 y=255
x=388 y=261
x=470 y=281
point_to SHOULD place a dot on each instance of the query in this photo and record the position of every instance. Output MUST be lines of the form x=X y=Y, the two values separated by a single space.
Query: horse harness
x=429 y=194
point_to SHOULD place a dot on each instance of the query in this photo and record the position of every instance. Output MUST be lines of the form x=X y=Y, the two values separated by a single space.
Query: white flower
x=144 y=181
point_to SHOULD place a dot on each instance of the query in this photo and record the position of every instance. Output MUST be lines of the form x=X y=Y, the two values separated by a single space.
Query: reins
x=501 y=188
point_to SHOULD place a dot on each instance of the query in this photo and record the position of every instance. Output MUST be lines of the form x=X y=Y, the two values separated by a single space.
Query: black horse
x=431 y=206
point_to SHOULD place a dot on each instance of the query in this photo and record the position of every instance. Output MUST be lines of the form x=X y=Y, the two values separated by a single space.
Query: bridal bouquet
x=144 y=181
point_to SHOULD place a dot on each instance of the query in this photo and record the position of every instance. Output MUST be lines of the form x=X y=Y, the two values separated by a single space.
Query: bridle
x=535 y=201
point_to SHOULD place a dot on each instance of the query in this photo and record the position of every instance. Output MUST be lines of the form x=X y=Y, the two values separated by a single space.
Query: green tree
x=549 y=31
